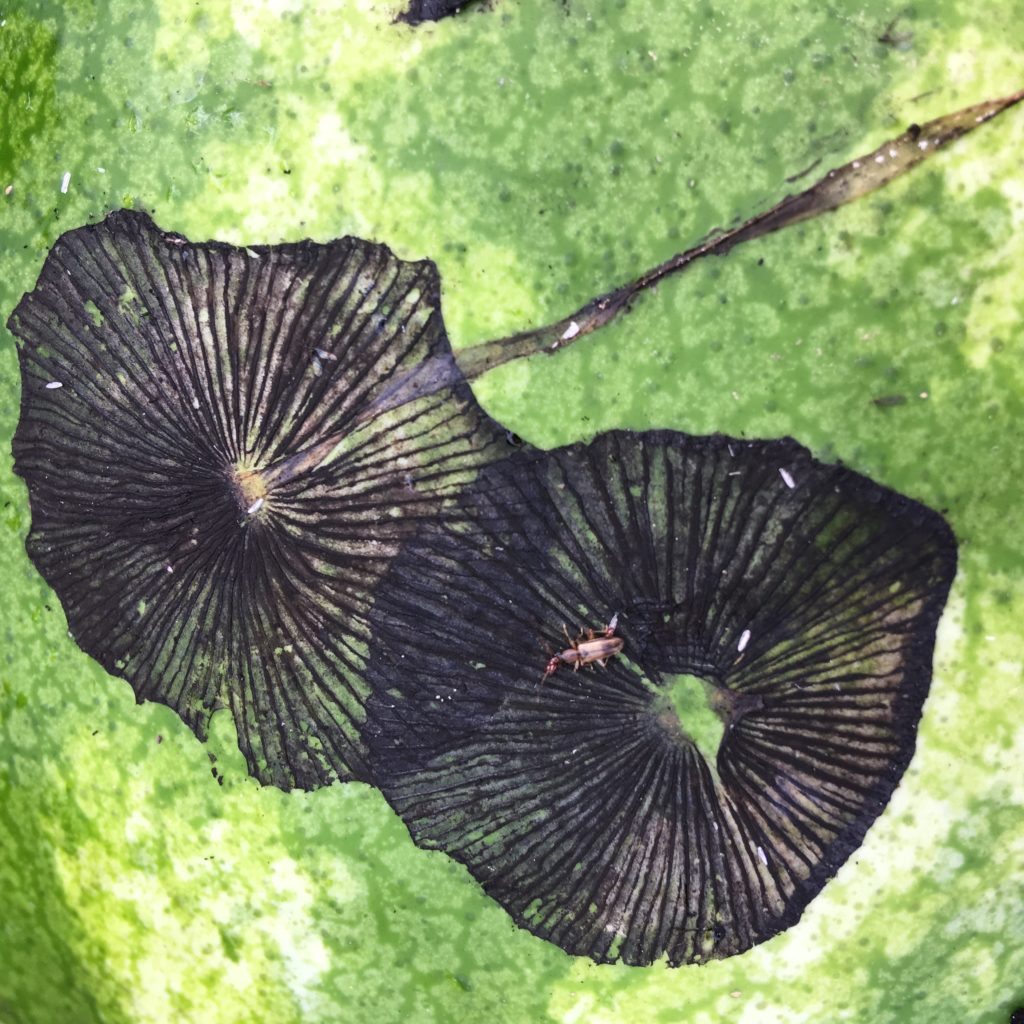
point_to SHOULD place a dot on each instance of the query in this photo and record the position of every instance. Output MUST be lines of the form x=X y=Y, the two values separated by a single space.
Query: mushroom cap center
x=249 y=485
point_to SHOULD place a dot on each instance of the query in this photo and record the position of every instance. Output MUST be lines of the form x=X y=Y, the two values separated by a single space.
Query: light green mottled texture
x=689 y=698
x=539 y=152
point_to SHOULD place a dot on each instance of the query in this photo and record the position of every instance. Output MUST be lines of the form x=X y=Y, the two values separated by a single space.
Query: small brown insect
x=596 y=647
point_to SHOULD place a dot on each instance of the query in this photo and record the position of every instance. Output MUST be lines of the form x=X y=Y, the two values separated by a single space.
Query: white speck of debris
x=744 y=640
x=195 y=403
x=571 y=331
x=169 y=568
x=53 y=385
x=318 y=367
x=892 y=153
x=324 y=354
x=254 y=507
x=65 y=181
x=731 y=452
x=787 y=479
x=101 y=170
x=856 y=164
x=924 y=394
x=735 y=472
x=953 y=301
x=8 y=190
x=923 y=144
x=614 y=622
x=736 y=993
x=652 y=55
x=880 y=159
x=761 y=854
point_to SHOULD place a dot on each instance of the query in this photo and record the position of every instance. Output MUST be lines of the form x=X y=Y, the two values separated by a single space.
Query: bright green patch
x=690 y=698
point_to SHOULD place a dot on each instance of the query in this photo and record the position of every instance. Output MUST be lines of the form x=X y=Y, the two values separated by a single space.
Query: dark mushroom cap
x=804 y=595
x=211 y=498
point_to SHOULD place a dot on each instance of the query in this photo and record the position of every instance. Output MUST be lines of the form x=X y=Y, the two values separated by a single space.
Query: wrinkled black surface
x=580 y=802
x=179 y=362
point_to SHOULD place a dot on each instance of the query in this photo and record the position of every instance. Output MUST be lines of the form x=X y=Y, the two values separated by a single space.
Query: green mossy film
x=540 y=151
x=690 y=700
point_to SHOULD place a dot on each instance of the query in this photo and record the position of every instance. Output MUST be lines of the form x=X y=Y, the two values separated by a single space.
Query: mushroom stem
x=428 y=377
x=301 y=462
x=838 y=187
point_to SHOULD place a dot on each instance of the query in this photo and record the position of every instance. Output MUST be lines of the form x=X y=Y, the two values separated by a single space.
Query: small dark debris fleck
x=803 y=174
x=419 y=11
x=887 y=401
x=1017 y=1016
x=897 y=40
x=513 y=439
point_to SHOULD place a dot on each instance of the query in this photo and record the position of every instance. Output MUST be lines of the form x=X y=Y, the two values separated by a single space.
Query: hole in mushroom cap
x=602 y=807
x=695 y=710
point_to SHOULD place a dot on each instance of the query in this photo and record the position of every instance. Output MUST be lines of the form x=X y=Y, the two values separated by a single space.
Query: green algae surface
x=540 y=152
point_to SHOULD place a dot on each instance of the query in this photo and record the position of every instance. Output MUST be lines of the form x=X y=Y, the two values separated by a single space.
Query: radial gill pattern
x=213 y=496
x=688 y=799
